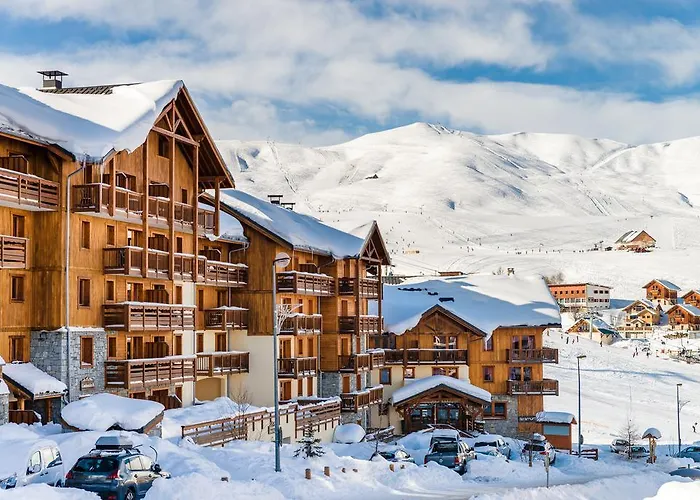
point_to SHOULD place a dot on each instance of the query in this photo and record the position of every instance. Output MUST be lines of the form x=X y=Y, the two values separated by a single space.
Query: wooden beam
x=175 y=136
x=164 y=113
x=180 y=121
x=195 y=227
x=217 y=207
x=380 y=295
x=171 y=218
x=144 y=260
x=113 y=186
x=357 y=304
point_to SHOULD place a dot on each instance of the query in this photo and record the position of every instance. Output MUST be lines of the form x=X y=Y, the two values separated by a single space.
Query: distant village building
x=662 y=292
x=684 y=317
x=599 y=331
x=581 y=296
x=640 y=318
x=692 y=298
x=638 y=241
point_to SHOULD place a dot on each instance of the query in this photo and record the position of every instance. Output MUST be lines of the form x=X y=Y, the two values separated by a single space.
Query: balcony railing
x=13 y=252
x=355 y=363
x=305 y=284
x=143 y=316
x=302 y=324
x=377 y=359
x=158 y=210
x=97 y=197
x=139 y=374
x=297 y=367
x=367 y=324
x=184 y=215
x=222 y=318
x=356 y=401
x=369 y=288
x=27 y=190
x=426 y=356
x=222 y=273
x=222 y=363
x=544 y=355
x=205 y=221
x=546 y=387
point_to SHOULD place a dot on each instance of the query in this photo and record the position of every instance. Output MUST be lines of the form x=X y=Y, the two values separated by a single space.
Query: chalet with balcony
x=684 y=317
x=636 y=241
x=145 y=254
x=323 y=294
x=485 y=332
x=597 y=330
x=692 y=298
x=662 y=292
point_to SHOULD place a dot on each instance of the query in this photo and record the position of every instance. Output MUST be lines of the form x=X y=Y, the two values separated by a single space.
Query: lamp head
x=282 y=260
x=581 y=356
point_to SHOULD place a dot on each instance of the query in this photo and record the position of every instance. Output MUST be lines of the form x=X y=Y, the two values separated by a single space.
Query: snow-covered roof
x=630 y=236
x=3 y=388
x=691 y=291
x=665 y=283
x=644 y=302
x=555 y=417
x=348 y=434
x=2 y=361
x=484 y=301
x=651 y=432
x=300 y=231
x=422 y=385
x=599 y=324
x=691 y=309
x=86 y=124
x=230 y=228
x=32 y=379
x=101 y=412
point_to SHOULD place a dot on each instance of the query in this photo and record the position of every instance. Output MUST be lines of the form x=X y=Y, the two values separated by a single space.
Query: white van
x=26 y=462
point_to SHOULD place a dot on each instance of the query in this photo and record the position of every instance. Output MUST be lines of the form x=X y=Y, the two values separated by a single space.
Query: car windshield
x=485 y=443
x=533 y=447
x=386 y=454
x=96 y=465
x=445 y=447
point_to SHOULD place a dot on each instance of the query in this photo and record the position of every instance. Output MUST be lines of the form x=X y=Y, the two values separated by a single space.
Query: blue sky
x=320 y=71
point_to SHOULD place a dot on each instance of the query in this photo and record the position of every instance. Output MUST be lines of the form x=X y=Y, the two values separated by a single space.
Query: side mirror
x=34 y=469
x=157 y=468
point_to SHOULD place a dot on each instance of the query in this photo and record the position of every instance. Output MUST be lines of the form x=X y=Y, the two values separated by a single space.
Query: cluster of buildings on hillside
x=130 y=264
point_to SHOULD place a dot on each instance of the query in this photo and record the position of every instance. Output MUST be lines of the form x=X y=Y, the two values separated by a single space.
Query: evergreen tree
x=309 y=446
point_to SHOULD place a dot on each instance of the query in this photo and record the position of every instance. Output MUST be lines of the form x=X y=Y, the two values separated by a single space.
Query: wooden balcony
x=184 y=216
x=354 y=363
x=97 y=197
x=13 y=252
x=302 y=324
x=546 y=387
x=225 y=317
x=297 y=367
x=148 y=316
x=210 y=364
x=217 y=273
x=305 y=284
x=377 y=359
x=27 y=191
x=544 y=355
x=139 y=374
x=158 y=211
x=367 y=324
x=205 y=221
x=356 y=401
x=426 y=356
x=369 y=288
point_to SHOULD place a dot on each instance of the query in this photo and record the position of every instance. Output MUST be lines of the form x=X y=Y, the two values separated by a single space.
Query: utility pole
x=678 y=413
x=281 y=261
x=578 y=369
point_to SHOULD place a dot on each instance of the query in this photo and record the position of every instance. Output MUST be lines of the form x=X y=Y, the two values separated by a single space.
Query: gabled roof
x=630 y=236
x=691 y=292
x=32 y=382
x=486 y=302
x=422 y=386
x=664 y=283
x=692 y=310
x=598 y=324
x=301 y=232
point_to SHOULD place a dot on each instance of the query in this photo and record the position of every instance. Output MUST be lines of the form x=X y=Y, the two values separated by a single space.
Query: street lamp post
x=578 y=369
x=281 y=261
x=678 y=413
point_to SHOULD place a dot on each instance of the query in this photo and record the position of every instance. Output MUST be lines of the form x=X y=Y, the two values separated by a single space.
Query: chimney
x=53 y=79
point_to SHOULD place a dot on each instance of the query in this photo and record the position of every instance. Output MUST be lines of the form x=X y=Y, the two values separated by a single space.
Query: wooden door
x=285 y=348
x=344 y=346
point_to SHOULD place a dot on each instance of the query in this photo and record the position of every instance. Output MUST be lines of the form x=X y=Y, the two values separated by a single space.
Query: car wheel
x=130 y=495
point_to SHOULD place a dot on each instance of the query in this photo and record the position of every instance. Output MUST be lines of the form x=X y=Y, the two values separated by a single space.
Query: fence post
x=391 y=467
x=307 y=474
x=327 y=471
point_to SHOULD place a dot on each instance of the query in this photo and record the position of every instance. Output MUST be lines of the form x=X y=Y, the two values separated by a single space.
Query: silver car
x=492 y=445
x=619 y=446
x=690 y=452
x=30 y=462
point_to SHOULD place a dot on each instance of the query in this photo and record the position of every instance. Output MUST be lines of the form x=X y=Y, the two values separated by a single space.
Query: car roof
x=11 y=463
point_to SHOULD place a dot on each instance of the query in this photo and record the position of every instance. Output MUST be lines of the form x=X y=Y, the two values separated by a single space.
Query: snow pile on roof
x=651 y=432
x=2 y=361
x=665 y=283
x=105 y=411
x=32 y=379
x=630 y=236
x=300 y=231
x=676 y=491
x=230 y=228
x=425 y=384
x=3 y=388
x=484 y=301
x=90 y=124
x=348 y=434
x=554 y=417
x=691 y=309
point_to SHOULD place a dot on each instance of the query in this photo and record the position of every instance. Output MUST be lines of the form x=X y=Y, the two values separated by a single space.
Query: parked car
x=492 y=444
x=690 y=452
x=115 y=470
x=452 y=454
x=690 y=472
x=619 y=446
x=30 y=462
x=396 y=454
x=637 y=452
x=444 y=436
x=540 y=448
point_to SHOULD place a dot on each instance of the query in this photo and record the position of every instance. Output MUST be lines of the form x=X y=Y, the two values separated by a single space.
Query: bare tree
x=284 y=312
x=555 y=278
x=242 y=398
x=630 y=433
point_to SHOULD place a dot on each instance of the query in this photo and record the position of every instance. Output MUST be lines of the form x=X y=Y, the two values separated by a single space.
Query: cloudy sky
x=322 y=71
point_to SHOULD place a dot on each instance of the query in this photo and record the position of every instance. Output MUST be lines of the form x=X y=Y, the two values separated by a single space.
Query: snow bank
x=424 y=384
x=484 y=301
x=301 y=231
x=677 y=491
x=348 y=434
x=32 y=379
x=46 y=492
x=554 y=417
x=223 y=407
x=89 y=124
x=198 y=486
x=104 y=411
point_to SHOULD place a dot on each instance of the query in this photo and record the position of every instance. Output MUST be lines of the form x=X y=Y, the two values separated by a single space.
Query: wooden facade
x=661 y=292
x=683 y=317
x=692 y=298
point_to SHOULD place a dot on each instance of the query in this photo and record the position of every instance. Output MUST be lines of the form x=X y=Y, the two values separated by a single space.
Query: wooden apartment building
x=662 y=292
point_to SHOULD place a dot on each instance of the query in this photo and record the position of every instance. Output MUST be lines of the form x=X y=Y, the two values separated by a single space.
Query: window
x=111 y=235
x=178 y=295
x=134 y=464
x=86 y=351
x=16 y=348
x=183 y=196
x=495 y=410
x=163 y=146
x=444 y=342
x=83 y=292
x=221 y=342
x=488 y=373
x=346 y=384
x=18 y=226
x=109 y=291
x=447 y=372
x=222 y=298
x=200 y=300
x=200 y=342
x=133 y=238
x=178 y=244
x=515 y=373
x=112 y=347
x=17 y=289
x=310 y=386
x=409 y=373
x=489 y=344
x=84 y=234
x=34 y=463
x=134 y=292
x=178 y=345
x=300 y=387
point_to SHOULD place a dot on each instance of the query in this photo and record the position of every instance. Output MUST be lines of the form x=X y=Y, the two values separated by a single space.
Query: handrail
x=29 y=190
